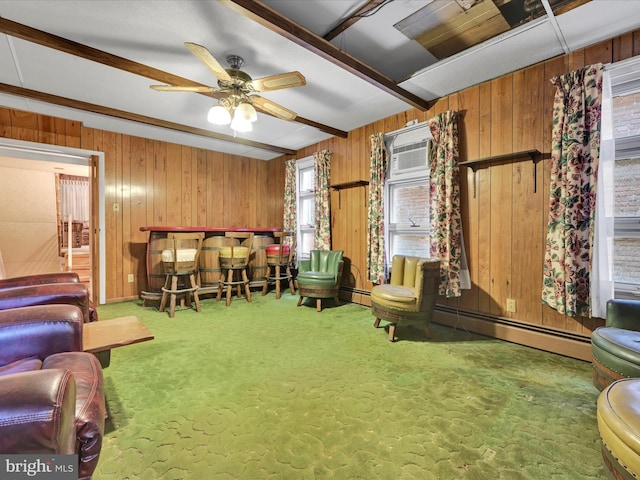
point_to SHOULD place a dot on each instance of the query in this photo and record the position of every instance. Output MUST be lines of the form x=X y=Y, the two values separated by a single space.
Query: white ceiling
x=152 y=32
x=52 y=167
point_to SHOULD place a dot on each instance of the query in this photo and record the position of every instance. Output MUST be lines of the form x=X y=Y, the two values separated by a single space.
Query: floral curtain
x=289 y=218
x=322 y=171
x=444 y=194
x=574 y=164
x=375 y=212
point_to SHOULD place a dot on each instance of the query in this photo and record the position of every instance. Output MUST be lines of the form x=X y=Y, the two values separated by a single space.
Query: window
x=407 y=197
x=626 y=176
x=306 y=206
x=409 y=225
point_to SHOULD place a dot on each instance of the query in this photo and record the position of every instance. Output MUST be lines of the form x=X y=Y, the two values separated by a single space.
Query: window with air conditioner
x=407 y=223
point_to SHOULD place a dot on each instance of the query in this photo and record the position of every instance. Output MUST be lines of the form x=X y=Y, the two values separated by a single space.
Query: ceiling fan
x=236 y=89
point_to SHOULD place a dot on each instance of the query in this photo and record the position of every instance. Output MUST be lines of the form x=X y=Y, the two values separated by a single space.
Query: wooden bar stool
x=180 y=263
x=210 y=274
x=279 y=260
x=234 y=260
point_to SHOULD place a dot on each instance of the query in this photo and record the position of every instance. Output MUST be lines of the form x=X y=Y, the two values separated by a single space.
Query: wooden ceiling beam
x=61 y=44
x=278 y=23
x=134 y=117
x=350 y=20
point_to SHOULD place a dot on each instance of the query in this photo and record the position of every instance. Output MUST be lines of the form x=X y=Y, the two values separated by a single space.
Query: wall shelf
x=342 y=186
x=534 y=155
x=355 y=183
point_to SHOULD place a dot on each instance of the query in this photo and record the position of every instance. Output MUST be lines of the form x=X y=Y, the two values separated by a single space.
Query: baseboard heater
x=552 y=340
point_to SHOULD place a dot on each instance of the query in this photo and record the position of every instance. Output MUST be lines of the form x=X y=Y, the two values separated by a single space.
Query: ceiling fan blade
x=272 y=108
x=276 y=82
x=208 y=59
x=178 y=88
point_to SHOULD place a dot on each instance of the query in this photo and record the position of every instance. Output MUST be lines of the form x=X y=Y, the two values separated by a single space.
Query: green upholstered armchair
x=410 y=297
x=616 y=346
x=320 y=276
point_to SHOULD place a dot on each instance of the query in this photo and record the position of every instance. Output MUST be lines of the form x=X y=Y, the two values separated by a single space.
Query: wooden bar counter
x=209 y=265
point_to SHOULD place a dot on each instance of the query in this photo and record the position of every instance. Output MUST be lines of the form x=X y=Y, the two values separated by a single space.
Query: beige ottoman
x=619 y=425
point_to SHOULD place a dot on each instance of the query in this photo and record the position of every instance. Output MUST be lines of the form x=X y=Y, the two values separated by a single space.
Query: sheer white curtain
x=74 y=197
x=602 y=262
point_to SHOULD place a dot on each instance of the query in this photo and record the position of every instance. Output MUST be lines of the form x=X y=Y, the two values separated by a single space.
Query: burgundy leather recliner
x=49 y=289
x=51 y=392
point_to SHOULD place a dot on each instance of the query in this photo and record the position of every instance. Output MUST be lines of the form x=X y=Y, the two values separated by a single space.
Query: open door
x=94 y=237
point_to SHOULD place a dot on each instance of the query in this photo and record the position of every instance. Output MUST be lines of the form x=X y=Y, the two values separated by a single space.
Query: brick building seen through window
x=626 y=116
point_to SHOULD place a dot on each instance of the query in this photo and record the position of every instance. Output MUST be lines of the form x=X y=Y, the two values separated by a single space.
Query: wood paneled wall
x=159 y=183
x=505 y=213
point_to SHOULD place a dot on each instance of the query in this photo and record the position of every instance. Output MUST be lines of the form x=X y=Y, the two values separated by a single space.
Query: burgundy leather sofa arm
x=37 y=412
x=40 y=279
x=46 y=294
x=39 y=331
x=45 y=278
x=90 y=410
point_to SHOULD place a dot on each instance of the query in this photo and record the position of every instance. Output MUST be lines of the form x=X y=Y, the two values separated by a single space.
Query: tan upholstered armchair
x=410 y=297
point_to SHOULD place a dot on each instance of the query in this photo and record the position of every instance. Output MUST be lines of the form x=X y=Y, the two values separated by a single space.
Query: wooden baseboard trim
x=574 y=346
x=555 y=341
x=354 y=295
x=122 y=299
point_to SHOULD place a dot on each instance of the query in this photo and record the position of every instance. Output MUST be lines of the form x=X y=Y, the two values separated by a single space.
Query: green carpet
x=269 y=390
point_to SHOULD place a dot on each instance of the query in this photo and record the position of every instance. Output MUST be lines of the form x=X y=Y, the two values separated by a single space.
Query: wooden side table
x=104 y=335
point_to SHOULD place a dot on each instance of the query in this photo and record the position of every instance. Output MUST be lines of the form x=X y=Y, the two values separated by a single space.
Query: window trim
x=305 y=163
x=402 y=228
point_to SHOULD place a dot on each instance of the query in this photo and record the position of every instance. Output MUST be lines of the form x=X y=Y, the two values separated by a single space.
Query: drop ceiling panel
x=598 y=20
x=326 y=14
x=519 y=48
x=377 y=42
x=9 y=70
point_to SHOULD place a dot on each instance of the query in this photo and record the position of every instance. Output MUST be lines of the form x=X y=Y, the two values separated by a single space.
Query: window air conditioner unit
x=410 y=158
x=409 y=149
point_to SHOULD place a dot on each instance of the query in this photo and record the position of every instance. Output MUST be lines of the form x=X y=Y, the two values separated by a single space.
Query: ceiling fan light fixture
x=219 y=115
x=236 y=91
x=239 y=124
x=246 y=112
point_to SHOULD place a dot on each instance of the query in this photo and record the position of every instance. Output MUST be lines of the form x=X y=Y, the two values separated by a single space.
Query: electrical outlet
x=116 y=207
x=131 y=278
x=511 y=305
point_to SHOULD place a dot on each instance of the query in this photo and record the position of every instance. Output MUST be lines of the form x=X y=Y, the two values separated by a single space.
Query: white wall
x=28 y=229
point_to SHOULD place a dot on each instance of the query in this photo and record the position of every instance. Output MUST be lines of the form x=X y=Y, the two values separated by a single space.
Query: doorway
x=35 y=167
x=73 y=207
